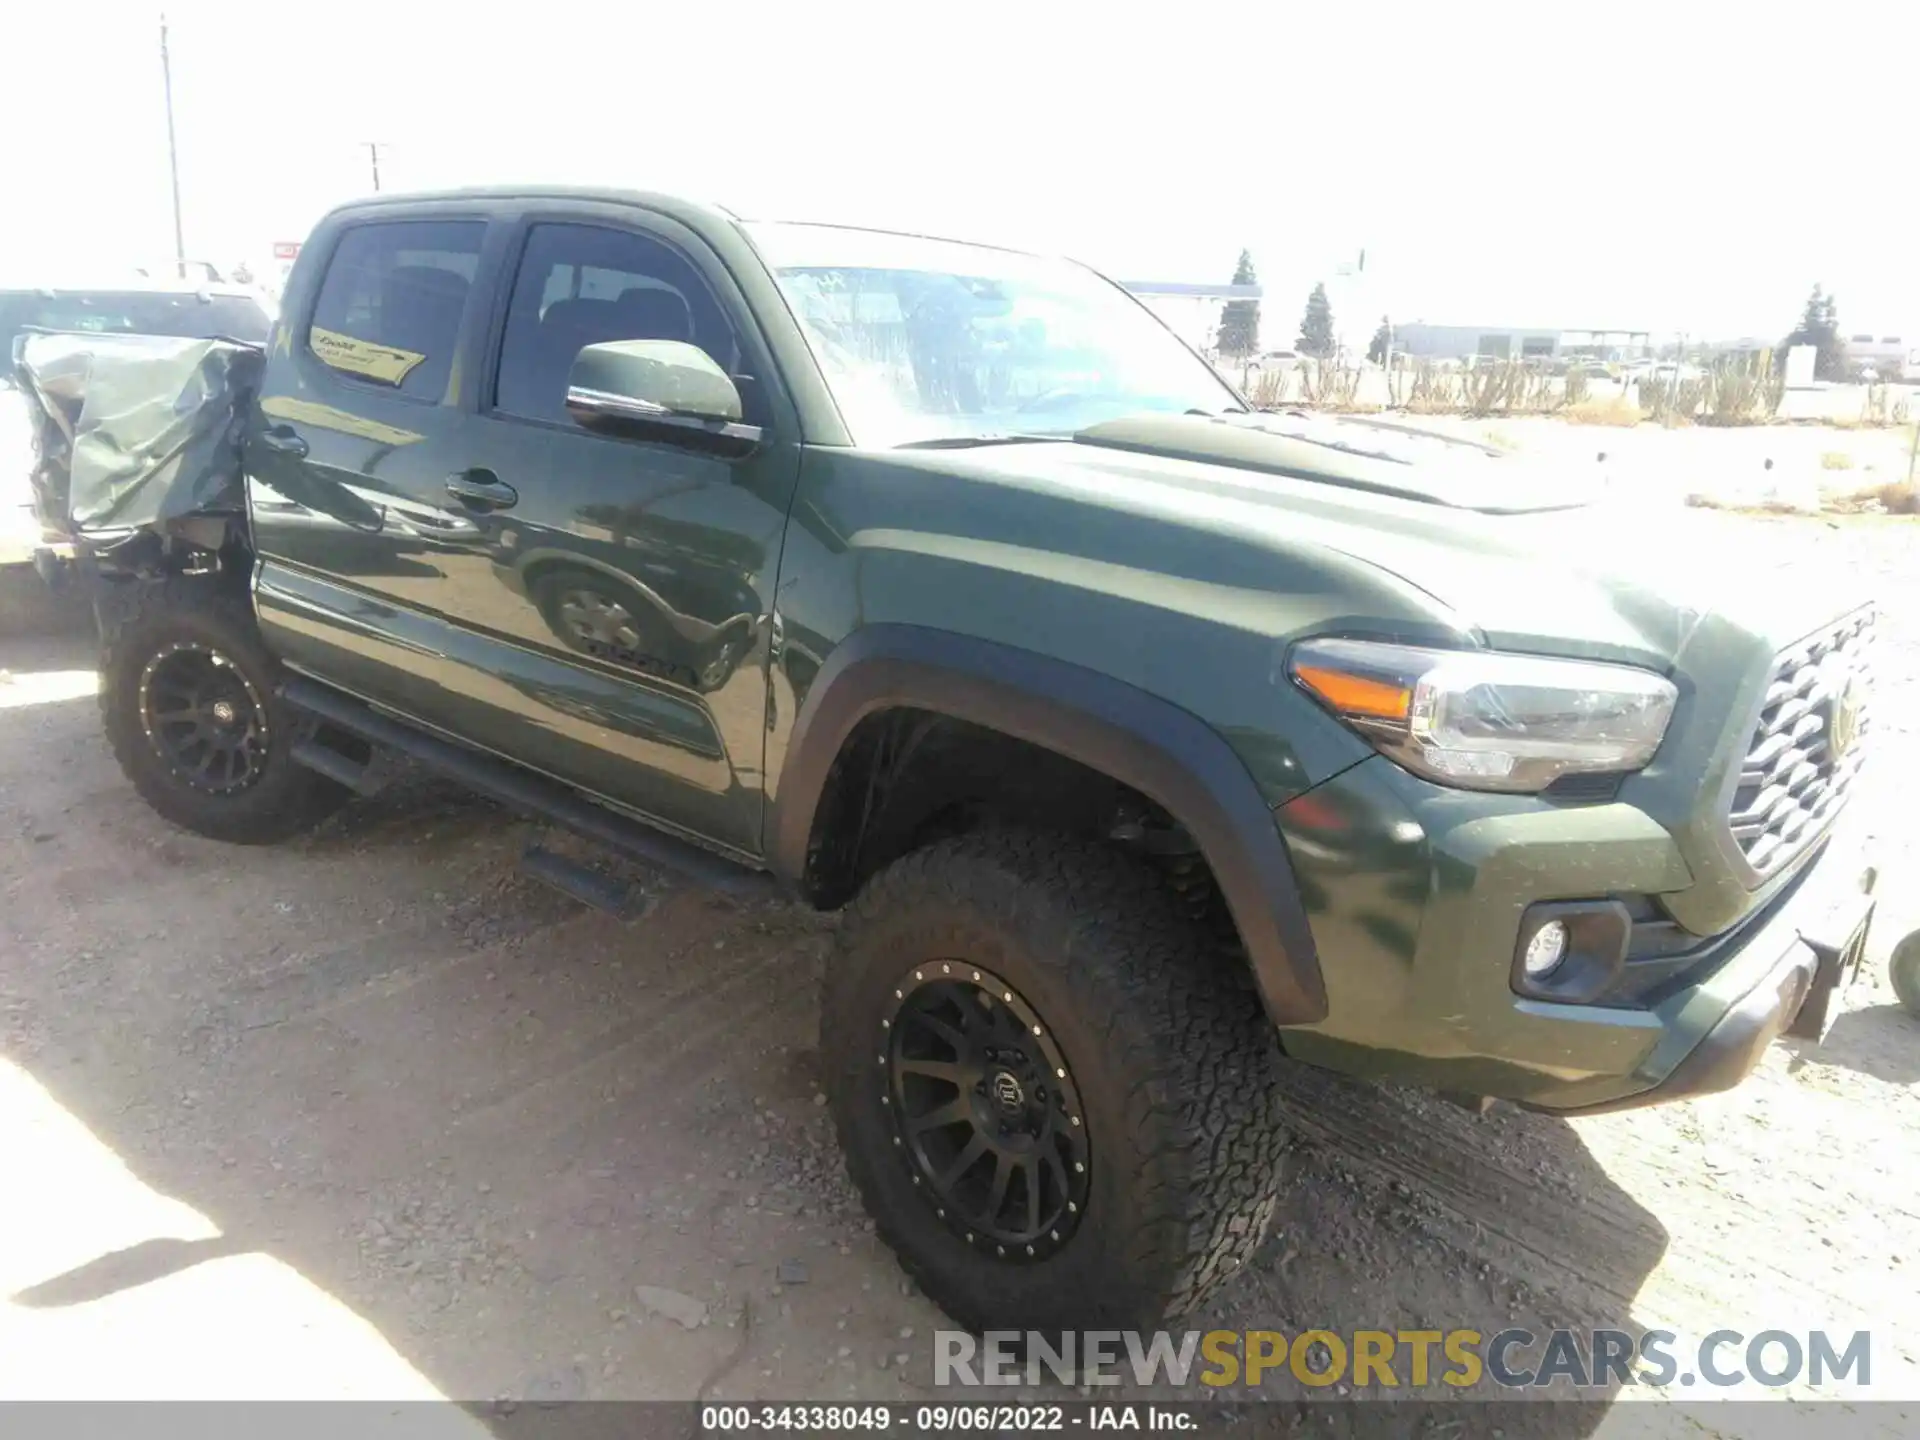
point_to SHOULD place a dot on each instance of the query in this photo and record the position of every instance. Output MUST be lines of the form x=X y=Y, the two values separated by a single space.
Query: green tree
x=1820 y=327
x=1316 y=326
x=1239 y=333
x=1382 y=342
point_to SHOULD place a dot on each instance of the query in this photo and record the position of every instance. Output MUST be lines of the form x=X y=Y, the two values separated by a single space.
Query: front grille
x=1806 y=748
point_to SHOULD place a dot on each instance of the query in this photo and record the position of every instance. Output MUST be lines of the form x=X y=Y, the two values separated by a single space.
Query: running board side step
x=359 y=777
x=589 y=887
x=522 y=791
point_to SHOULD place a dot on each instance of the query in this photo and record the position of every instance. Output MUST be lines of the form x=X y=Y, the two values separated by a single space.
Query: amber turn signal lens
x=1356 y=694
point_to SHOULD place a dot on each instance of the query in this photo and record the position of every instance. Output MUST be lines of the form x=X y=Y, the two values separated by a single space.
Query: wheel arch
x=1119 y=731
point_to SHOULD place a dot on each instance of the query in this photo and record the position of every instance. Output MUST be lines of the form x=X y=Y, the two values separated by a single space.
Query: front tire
x=188 y=695
x=1045 y=1007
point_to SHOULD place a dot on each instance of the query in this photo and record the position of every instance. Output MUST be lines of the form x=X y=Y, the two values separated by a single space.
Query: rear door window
x=391 y=302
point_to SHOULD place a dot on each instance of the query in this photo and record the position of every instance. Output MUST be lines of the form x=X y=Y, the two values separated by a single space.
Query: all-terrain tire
x=1903 y=968
x=1174 y=1062
x=138 y=621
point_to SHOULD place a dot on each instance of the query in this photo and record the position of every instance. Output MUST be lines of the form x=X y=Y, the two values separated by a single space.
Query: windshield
x=180 y=313
x=929 y=341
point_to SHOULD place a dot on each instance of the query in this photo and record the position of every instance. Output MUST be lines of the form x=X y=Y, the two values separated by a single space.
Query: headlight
x=1488 y=721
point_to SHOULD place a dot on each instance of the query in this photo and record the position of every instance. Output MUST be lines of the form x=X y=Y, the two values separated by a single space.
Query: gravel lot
x=370 y=1115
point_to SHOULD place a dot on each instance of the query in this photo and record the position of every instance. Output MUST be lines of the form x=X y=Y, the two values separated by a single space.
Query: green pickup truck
x=1149 y=744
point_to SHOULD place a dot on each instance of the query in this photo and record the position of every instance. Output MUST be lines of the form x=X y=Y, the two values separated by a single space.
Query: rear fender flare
x=1157 y=748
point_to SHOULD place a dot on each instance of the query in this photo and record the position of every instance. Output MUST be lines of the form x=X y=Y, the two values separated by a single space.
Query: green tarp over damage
x=134 y=430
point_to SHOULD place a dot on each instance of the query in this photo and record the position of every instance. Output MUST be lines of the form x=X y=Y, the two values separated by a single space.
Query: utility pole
x=173 y=153
x=373 y=157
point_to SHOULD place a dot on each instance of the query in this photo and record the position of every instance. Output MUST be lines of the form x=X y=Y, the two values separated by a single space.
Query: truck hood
x=1526 y=557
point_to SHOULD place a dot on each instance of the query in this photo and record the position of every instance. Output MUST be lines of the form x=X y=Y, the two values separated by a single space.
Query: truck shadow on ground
x=1406 y=1212
x=1880 y=1041
x=483 y=1119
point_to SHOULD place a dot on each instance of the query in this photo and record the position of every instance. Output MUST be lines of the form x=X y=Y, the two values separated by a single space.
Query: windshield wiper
x=967 y=442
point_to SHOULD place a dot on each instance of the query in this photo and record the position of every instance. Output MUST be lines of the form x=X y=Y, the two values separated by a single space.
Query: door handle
x=481 y=490
x=284 y=440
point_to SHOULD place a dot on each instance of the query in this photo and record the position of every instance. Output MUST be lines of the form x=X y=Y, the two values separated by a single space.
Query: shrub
x=1268 y=389
x=1618 y=411
x=1672 y=398
x=1510 y=387
x=1328 y=385
x=1433 y=391
x=1900 y=497
x=1741 y=390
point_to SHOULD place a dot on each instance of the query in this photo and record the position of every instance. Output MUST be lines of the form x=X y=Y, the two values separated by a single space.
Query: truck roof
x=606 y=194
x=617 y=195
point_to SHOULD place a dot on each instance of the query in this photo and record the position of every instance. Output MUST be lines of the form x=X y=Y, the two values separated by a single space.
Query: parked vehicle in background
x=1662 y=370
x=138 y=306
x=1149 y=745
x=1272 y=360
x=24 y=601
x=34 y=565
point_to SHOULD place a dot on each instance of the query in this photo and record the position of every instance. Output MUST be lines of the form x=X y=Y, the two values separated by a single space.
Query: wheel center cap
x=223 y=711
x=1007 y=1092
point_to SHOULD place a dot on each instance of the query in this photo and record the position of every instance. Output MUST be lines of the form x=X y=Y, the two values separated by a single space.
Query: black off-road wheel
x=187 y=693
x=1058 y=1101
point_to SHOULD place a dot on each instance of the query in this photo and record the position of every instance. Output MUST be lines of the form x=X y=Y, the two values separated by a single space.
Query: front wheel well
x=905 y=778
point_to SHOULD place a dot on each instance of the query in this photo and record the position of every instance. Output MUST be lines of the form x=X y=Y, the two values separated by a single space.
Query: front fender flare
x=1166 y=753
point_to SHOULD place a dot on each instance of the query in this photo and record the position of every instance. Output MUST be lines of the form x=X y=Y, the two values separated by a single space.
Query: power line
x=173 y=153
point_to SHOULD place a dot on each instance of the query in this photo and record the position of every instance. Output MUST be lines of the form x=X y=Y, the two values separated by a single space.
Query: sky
x=1692 y=166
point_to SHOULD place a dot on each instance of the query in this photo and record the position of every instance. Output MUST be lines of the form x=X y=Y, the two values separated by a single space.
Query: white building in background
x=1462 y=342
x=1889 y=355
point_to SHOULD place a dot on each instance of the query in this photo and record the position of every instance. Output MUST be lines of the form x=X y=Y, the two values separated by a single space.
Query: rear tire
x=1160 y=1073
x=184 y=647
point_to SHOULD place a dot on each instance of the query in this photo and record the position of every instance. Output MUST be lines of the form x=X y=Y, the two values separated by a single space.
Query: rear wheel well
x=906 y=777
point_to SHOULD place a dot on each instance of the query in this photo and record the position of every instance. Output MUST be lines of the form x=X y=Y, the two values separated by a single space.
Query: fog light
x=1545 y=950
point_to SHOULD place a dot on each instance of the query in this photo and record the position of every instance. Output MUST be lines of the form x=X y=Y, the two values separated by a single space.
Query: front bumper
x=1821 y=946
x=1416 y=897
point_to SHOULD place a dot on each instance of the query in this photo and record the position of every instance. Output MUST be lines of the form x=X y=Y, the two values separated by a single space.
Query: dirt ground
x=371 y=1115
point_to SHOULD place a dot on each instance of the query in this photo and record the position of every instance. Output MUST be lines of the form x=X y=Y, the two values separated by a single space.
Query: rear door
x=591 y=606
x=360 y=423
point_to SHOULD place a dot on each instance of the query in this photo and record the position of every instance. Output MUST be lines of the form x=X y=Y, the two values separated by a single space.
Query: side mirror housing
x=661 y=390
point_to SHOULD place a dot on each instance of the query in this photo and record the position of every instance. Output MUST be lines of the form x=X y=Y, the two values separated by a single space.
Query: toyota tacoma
x=1148 y=743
